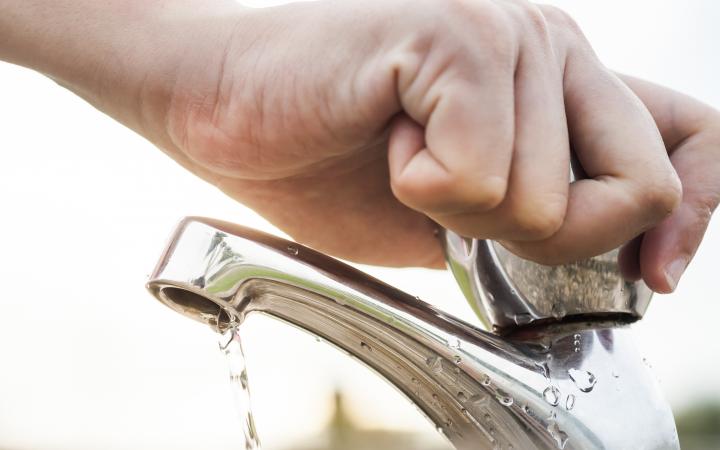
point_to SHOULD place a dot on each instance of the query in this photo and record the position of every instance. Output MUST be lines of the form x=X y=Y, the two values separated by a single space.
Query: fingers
x=631 y=185
x=536 y=202
x=691 y=131
x=668 y=248
x=460 y=161
x=483 y=144
x=471 y=172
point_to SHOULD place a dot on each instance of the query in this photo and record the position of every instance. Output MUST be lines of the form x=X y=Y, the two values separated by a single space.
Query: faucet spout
x=573 y=385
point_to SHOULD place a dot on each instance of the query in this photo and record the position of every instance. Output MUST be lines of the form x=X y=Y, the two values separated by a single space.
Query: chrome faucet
x=559 y=370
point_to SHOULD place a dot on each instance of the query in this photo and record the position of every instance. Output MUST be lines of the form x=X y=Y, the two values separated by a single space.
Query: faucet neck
x=480 y=390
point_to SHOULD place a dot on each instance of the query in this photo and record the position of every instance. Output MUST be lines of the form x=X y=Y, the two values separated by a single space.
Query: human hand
x=348 y=124
x=691 y=131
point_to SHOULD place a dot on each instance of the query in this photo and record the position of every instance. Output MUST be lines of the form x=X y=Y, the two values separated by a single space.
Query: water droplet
x=576 y=343
x=585 y=381
x=462 y=398
x=454 y=342
x=457 y=359
x=570 y=402
x=615 y=374
x=557 y=434
x=504 y=398
x=486 y=380
x=487 y=417
x=551 y=394
x=558 y=310
x=490 y=297
x=414 y=380
x=365 y=347
x=526 y=409
x=522 y=319
x=293 y=250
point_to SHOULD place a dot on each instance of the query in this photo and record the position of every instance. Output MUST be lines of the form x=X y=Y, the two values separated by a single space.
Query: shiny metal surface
x=579 y=385
x=507 y=291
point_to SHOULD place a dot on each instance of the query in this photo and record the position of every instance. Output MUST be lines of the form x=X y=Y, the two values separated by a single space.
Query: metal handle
x=507 y=292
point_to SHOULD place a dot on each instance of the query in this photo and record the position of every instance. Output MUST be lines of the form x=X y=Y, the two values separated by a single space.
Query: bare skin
x=356 y=126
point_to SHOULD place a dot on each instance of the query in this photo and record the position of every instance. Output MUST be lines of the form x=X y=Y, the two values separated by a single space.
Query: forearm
x=113 y=53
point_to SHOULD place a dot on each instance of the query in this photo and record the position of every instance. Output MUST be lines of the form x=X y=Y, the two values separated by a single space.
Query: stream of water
x=231 y=346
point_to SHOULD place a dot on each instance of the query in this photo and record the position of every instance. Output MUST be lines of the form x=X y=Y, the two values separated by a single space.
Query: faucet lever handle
x=507 y=291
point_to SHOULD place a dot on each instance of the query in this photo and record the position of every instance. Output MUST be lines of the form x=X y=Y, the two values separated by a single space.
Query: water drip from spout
x=231 y=346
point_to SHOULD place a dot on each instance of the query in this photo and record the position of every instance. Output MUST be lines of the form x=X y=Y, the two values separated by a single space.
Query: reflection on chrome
x=547 y=383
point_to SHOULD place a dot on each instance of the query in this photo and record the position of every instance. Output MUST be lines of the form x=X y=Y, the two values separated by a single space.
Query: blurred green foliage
x=699 y=426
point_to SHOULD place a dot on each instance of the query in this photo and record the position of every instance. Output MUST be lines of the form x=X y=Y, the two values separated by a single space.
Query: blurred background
x=89 y=360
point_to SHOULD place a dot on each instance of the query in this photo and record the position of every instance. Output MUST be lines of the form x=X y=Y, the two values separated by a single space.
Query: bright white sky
x=88 y=360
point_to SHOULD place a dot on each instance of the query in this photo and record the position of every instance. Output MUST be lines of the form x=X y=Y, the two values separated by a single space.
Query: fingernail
x=674 y=271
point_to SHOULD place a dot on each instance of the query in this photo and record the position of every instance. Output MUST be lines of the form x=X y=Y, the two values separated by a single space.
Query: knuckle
x=542 y=219
x=490 y=192
x=559 y=17
x=662 y=197
x=486 y=19
x=562 y=25
x=485 y=11
x=532 y=16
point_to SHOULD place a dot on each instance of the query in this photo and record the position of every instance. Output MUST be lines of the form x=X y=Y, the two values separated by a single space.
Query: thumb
x=668 y=248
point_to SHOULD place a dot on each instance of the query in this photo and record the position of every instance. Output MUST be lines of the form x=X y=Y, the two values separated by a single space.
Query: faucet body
x=577 y=384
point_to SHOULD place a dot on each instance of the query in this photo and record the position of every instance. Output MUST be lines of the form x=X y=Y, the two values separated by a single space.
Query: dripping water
x=231 y=346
